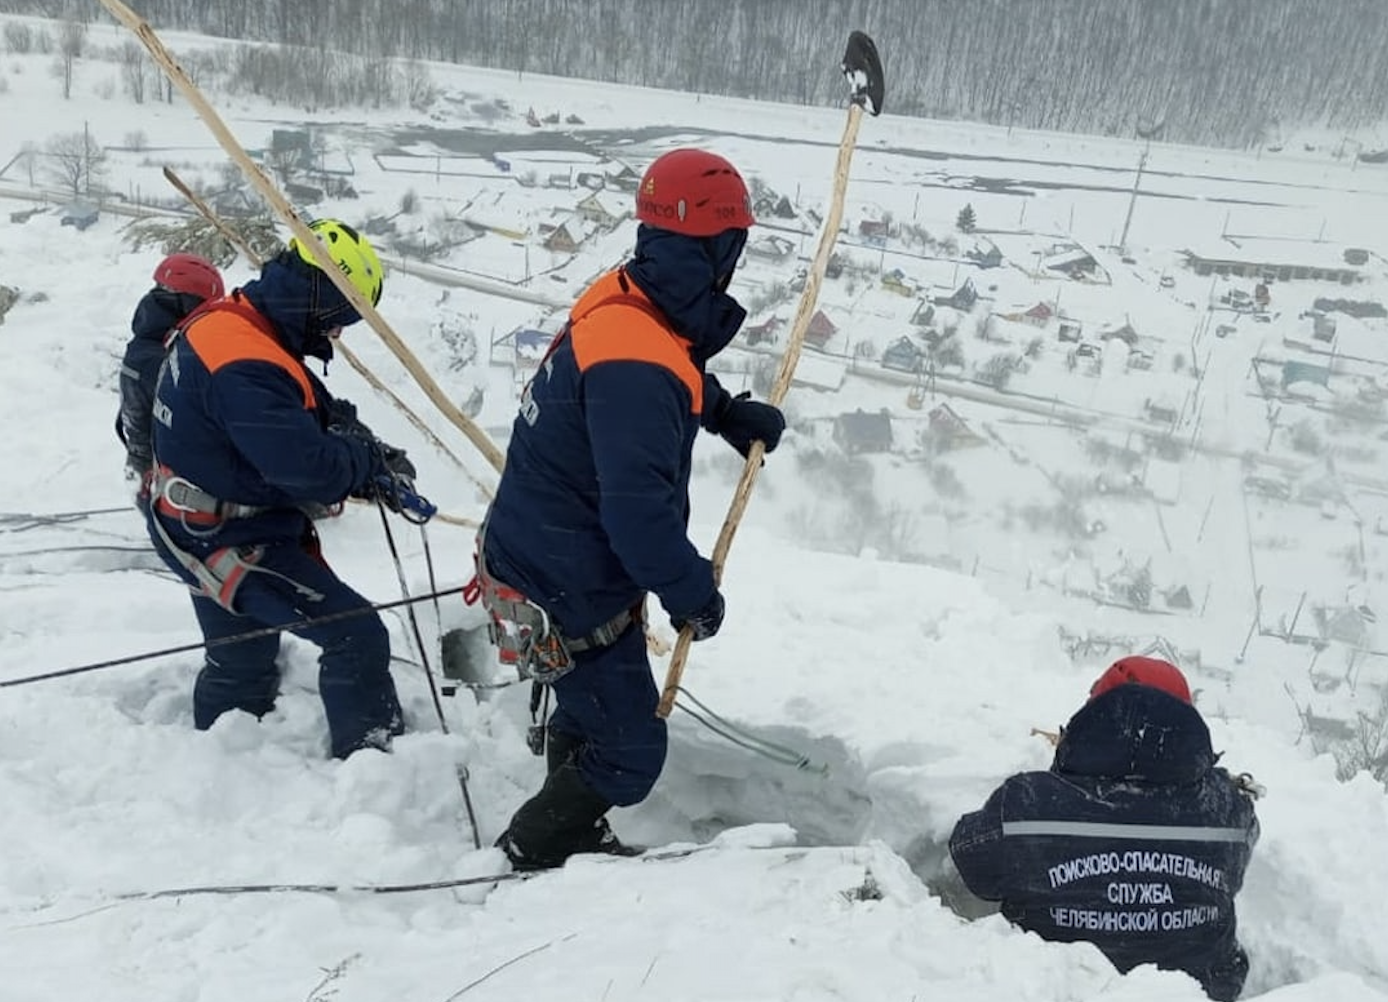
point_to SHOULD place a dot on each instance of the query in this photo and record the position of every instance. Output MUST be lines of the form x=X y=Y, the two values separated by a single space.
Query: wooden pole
x=781 y=385
x=306 y=237
x=356 y=363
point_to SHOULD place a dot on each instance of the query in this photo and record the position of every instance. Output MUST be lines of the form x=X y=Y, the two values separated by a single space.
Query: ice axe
x=862 y=68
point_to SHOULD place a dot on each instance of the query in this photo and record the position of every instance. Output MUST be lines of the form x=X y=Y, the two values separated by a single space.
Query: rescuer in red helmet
x=590 y=515
x=182 y=283
x=1134 y=840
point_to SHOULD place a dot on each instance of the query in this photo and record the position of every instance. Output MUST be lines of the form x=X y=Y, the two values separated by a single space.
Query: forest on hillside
x=1220 y=72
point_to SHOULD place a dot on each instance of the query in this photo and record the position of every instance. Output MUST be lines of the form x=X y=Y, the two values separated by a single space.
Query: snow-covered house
x=770 y=247
x=861 y=431
x=596 y=209
x=962 y=298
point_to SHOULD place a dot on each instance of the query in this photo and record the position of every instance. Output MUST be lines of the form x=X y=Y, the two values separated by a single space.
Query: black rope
x=431 y=885
x=409 y=612
x=222 y=641
x=433 y=582
x=424 y=659
x=100 y=548
x=650 y=856
x=51 y=518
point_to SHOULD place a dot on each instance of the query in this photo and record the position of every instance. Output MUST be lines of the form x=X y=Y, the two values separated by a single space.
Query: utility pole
x=1132 y=200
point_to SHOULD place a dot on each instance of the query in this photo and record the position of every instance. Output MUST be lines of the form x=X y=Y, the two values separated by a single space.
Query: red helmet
x=190 y=274
x=1139 y=670
x=695 y=193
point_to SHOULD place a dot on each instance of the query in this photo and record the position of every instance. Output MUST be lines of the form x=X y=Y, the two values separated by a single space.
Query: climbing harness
x=524 y=634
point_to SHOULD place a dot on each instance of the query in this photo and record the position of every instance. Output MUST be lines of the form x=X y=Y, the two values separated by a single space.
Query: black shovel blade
x=862 y=67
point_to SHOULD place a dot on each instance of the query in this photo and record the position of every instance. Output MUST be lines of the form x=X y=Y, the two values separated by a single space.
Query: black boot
x=563 y=819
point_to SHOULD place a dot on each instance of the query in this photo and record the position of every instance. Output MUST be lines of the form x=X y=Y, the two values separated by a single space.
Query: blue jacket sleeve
x=262 y=410
x=715 y=399
x=976 y=846
x=637 y=416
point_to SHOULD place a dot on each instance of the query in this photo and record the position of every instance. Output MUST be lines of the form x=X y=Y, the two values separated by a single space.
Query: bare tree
x=1189 y=72
x=72 y=36
x=76 y=161
x=19 y=37
x=132 y=68
x=420 y=91
x=283 y=162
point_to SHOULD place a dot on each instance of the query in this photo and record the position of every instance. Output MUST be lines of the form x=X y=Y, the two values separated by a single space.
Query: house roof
x=769 y=324
x=1071 y=257
x=945 y=416
x=770 y=246
x=903 y=346
x=1124 y=332
x=1274 y=253
x=869 y=428
x=966 y=293
x=575 y=227
x=821 y=325
x=594 y=201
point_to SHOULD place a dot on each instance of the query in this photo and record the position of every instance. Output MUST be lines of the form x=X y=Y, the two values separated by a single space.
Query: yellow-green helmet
x=351 y=252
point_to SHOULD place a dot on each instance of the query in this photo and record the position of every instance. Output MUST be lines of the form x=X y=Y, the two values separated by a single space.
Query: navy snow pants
x=608 y=702
x=354 y=668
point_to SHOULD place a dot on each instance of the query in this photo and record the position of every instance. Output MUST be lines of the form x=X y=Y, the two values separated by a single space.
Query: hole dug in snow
x=710 y=785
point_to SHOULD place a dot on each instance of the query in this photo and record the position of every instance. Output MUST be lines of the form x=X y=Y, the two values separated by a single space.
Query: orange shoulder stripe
x=612 y=324
x=220 y=337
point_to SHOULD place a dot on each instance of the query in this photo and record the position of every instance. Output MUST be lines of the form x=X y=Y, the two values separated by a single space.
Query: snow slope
x=909 y=691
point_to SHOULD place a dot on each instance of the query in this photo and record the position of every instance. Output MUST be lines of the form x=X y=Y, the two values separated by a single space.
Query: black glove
x=391 y=471
x=704 y=621
x=397 y=464
x=742 y=421
x=343 y=420
x=393 y=480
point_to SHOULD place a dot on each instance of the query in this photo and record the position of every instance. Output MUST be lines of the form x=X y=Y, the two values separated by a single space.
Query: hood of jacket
x=301 y=303
x=1136 y=732
x=159 y=311
x=687 y=278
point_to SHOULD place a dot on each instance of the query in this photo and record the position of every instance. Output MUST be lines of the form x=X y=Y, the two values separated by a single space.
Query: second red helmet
x=190 y=274
x=693 y=192
x=1139 y=670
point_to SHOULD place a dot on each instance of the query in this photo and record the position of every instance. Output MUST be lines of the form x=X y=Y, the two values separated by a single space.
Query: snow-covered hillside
x=898 y=619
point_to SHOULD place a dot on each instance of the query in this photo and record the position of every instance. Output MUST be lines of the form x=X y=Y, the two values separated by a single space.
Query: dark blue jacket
x=157 y=312
x=239 y=415
x=1134 y=841
x=592 y=506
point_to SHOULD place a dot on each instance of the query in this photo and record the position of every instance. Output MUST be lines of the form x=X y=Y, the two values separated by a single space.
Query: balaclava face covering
x=687 y=279
x=302 y=303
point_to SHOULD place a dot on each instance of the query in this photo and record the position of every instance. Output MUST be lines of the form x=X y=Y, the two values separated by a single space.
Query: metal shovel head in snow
x=862 y=68
x=465 y=657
